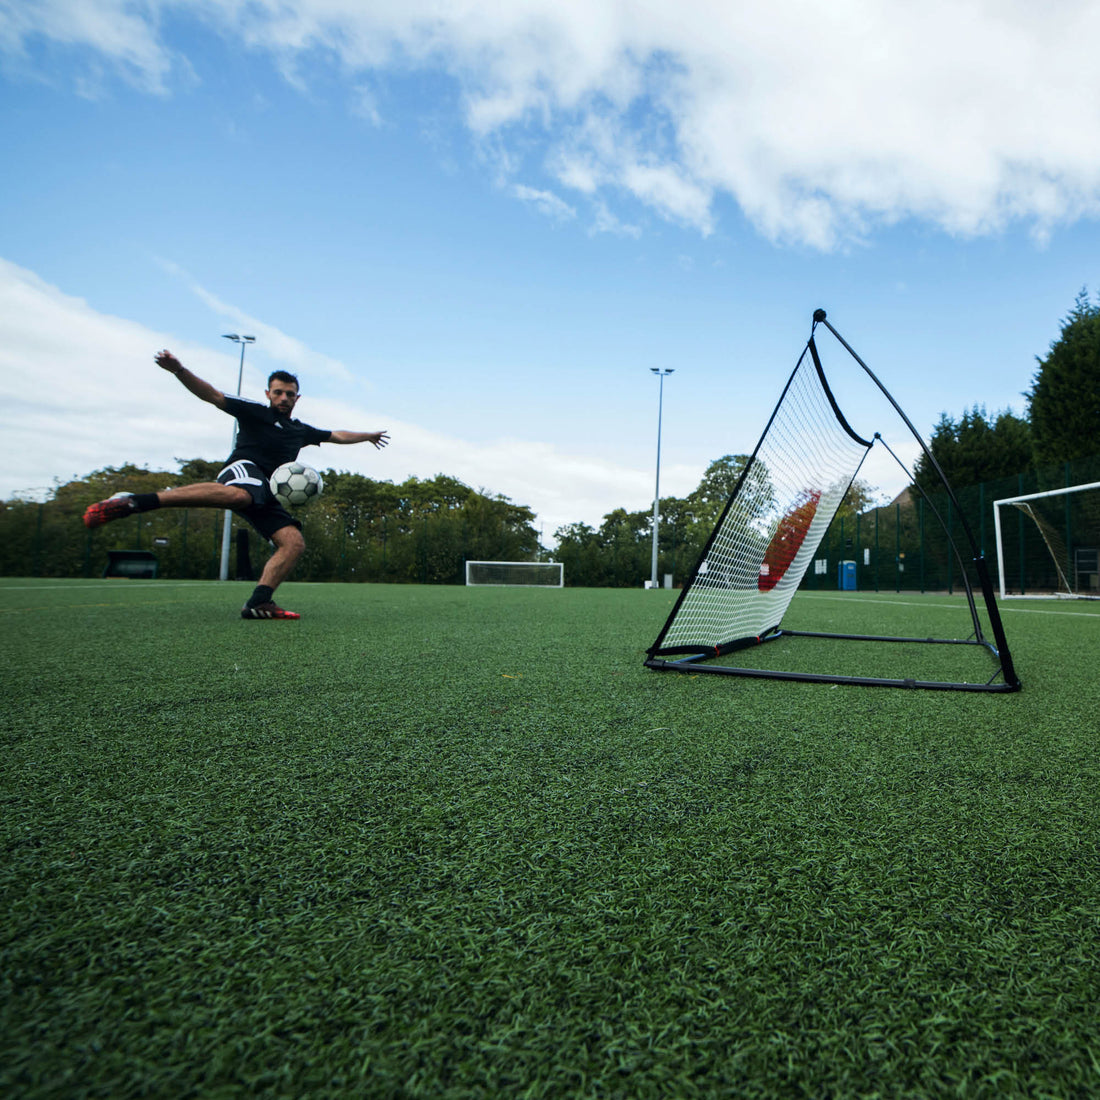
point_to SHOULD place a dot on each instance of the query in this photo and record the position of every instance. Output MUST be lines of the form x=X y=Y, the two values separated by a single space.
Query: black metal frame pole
x=982 y=569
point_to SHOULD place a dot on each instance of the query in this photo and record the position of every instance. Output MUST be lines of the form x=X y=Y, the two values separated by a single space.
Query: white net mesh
x=522 y=574
x=1055 y=544
x=775 y=522
x=1055 y=550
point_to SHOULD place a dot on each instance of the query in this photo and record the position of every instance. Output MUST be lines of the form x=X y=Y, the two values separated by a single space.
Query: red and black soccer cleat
x=96 y=515
x=267 y=611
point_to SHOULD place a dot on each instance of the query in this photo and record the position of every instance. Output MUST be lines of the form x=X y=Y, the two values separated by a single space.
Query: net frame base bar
x=691 y=663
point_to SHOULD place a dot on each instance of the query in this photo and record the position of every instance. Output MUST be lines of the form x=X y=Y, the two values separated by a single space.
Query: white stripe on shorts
x=241 y=474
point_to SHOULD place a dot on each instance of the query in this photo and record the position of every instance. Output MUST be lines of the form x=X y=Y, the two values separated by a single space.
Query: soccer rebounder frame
x=771 y=527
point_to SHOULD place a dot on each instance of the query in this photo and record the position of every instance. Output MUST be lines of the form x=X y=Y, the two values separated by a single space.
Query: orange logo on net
x=789 y=536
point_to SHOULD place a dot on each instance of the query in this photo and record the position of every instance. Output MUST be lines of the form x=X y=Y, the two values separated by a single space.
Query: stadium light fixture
x=227 y=526
x=661 y=374
x=244 y=341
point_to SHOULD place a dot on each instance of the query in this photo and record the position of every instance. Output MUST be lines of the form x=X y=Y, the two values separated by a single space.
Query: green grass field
x=458 y=842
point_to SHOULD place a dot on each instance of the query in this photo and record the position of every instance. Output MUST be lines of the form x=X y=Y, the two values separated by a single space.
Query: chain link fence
x=903 y=547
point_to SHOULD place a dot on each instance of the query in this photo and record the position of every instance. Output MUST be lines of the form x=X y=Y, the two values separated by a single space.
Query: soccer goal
x=516 y=574
x=769 y=532
x=1052 y=549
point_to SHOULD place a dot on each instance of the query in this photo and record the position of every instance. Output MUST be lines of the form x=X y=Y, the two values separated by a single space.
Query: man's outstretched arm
x=379 y=439
x=200 y=388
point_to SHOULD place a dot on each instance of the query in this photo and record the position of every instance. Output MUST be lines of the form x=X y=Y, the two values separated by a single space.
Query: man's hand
x=202 y=390
x=379 y=439
x=167 y=361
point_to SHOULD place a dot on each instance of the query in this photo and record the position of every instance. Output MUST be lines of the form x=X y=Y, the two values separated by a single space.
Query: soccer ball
x=295 y=484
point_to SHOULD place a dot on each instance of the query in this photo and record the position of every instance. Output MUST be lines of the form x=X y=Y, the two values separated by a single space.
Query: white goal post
x=1076 y=574
x=516 y=574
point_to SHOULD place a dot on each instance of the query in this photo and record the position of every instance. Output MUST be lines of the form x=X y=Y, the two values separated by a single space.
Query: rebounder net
x=768 y=534
x=775 y=520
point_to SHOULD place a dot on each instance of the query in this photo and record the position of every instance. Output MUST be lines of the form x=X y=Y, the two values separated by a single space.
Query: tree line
x=419 y=531
x=619 y=552
x=1061 y=423
x=424 y=530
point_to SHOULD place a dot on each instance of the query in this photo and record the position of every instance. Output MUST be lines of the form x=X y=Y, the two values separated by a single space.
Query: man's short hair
x=282 y=376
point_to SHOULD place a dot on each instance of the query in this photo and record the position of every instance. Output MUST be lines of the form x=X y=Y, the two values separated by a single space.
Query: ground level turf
x=458 y=842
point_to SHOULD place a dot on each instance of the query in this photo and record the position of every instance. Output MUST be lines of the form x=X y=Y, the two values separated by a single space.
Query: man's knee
x=290 y=540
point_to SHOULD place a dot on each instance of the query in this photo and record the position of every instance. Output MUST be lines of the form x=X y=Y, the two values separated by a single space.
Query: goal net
x=769 y=532
x=772 y=524
x=516 y=574
x=1048 y=543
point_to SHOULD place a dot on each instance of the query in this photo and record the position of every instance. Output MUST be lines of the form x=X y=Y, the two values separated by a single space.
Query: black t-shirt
x=266 y=438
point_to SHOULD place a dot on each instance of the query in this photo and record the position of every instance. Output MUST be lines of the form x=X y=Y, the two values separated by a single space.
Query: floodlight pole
x=661 y=375
x=227 y=528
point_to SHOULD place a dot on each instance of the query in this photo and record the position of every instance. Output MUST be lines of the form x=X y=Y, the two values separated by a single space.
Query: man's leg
x=204 y=494
x=289 y=545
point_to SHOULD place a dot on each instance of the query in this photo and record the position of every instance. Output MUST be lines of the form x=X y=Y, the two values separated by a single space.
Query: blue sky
x=480 y=225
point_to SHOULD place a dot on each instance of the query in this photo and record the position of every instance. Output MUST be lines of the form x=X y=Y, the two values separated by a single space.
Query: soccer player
x=266 y=438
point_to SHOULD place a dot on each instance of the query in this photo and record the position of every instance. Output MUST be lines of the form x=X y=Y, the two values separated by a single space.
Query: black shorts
x=265 y=513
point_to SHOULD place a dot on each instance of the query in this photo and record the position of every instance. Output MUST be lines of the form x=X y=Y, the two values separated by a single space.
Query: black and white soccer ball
x=295 y=484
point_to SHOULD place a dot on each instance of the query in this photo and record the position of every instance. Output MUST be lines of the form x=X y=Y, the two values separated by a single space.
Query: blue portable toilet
x=846 y=576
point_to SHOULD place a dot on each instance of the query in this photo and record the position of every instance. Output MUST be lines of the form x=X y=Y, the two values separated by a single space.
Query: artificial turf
x=459 y=842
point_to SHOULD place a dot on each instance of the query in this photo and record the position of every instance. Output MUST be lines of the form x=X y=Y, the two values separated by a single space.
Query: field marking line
x=950 y=607
x=1045 y=611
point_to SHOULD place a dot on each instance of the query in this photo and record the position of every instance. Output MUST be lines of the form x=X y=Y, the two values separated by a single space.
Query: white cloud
x=290 y=353
x=605 y=221
x=821 y=121
x=364 y=104
x=79 y=391
x=126 y=39
x=545 y=202
x=670 y=191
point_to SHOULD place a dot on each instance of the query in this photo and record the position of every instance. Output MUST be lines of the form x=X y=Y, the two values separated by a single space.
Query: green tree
x=359 y=529
x=198 y=469
x=625 y=539
x=581 y=554
x=719 y=480
x=1064 y=399
x=975 y=448
x=683 y=532
x=859 y=498
x=422 y=531
x=49 y=539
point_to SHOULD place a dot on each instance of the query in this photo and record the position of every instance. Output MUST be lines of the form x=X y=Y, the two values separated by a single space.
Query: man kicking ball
x=266 y=438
